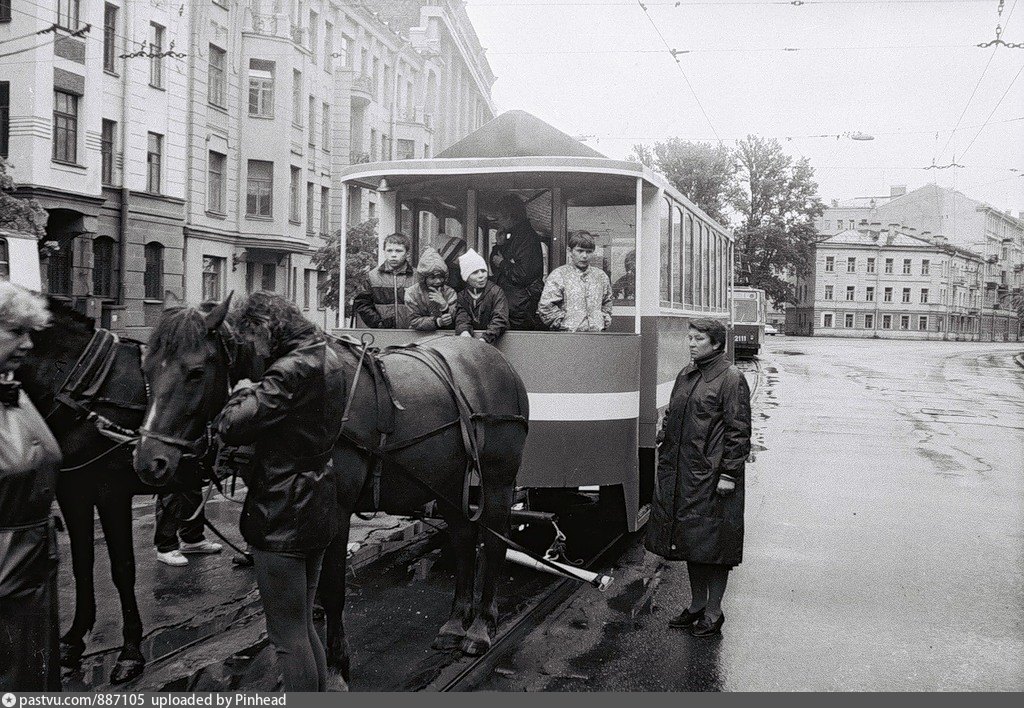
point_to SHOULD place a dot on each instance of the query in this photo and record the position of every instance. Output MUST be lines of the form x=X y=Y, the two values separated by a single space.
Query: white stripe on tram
x=584 y=406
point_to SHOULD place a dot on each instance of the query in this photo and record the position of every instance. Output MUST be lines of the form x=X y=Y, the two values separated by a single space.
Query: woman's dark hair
x=399 y=239
x=273 y=320
x=513 y=206
x=582 y=239
x=715 y=329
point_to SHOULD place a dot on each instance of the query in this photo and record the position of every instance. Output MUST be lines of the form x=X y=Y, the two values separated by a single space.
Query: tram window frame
x=678 y=262
x=665 y=265
x=704 y=265
x=688 y=249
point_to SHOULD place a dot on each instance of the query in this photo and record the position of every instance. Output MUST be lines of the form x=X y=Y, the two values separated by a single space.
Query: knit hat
x=431 y=262
x=470 y=263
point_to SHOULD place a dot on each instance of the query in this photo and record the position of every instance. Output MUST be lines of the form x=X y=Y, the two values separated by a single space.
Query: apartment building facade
x=188 y=149
x=891 y=283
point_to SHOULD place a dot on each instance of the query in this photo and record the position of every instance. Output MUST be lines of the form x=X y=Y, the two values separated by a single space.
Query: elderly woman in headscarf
x=29 y=461
x=431 y=301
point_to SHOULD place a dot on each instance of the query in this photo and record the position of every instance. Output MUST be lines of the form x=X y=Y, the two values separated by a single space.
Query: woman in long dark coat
x=29 y=462
x=697 y=515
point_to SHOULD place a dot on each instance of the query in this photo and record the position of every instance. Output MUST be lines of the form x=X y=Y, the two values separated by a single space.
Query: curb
x=1020 y=360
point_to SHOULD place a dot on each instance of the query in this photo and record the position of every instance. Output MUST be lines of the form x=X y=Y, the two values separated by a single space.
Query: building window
x=925 y=265
x=938 y=324
x=216 y=170
x=886 y=321
x=261 y=276
x=67 y=14
x=325 y=211
x=848 y=320
x=297 y=97
x=328 y=45
x=325 y=128
x=65 y=127
x=906 y=266
x=213 y=276
x=830 y=264
x=260 y=189
x=312 y=121
x=5 y=10
x=107 y=151
x=5 y=259
x=826 y=319
x=924 y=296
x=906 y=294
x=346 y=51
x=310 y=206
x=888 y=265
x=406 y=149
x=850 y=292
x=217 y=94
x=5 y=118
x=307 y=287
x=58 y=268
x=871 y=265
x=153 y=278
x=314 y=21
x=295 y=197
x=154 y=158
x=851 y=265
x=922 y=323
x=869 y=321
x=828 y=292
x=261 y=88
x=156 y=59
x=109 y=36
x=904 y=321
x=887 y=296
x=103 y=267
x=869 y=294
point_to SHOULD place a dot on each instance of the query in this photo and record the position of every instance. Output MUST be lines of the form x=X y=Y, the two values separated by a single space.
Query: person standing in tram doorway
x=519 y=264
x=381 y=303
x=29 y=463
x=697 y=514
x=576 y=297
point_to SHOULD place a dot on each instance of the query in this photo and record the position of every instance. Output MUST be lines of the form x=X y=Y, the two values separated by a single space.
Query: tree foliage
x=360 y=256
x=17 y=213
x=705 y=173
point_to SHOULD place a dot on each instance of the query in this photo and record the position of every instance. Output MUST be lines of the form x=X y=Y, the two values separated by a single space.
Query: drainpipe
x=122 y=251
x=190 y=134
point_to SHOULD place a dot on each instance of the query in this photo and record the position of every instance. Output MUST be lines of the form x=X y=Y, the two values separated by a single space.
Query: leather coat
x=705 y=435
x=521 y=274
x=292 y=417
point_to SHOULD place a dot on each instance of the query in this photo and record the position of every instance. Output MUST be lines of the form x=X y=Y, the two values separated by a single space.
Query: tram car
x=749 y=317
x=595 y=397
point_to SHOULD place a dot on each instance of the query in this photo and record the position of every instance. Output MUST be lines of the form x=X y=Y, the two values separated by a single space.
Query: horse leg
x=332 y=597
x=115 y=509
x=464 y=535
x=76 y=506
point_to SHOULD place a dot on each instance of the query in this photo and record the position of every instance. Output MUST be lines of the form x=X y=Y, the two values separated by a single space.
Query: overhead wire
x=994 y=109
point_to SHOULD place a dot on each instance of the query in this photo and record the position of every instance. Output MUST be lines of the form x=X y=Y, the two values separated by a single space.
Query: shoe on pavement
x=707 y=628
x=203 y=546
x=686 y=619
x=173 y=558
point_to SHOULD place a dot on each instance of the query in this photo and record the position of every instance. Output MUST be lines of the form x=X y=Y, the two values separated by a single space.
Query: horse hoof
x=126 y=670
x=71 y=655
x=447 y=642
x=475 y=647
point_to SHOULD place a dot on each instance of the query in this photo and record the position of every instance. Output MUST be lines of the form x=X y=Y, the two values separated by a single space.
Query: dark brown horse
x=424 y=453
x=97 y=473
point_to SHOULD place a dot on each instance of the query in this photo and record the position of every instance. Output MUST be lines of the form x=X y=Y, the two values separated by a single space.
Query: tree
x=777 y=203
x=704 y=173
x=16 y=213
x=360 y=256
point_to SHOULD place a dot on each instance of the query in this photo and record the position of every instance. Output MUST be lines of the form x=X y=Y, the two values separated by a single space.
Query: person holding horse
x=431 y=302
x=577 y=297
x=292 y=415
x=519 y=263
x=381 y=302
x=481 y=309
x=29 y=462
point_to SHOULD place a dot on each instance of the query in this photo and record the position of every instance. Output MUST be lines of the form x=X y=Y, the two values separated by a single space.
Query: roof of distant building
x=855 y=237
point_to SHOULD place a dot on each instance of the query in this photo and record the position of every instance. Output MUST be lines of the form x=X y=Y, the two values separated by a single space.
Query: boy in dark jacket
x=430 y=301
x=481 y=309
x=381 y=303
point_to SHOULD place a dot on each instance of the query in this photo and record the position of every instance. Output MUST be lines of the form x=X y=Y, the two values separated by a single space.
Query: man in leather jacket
x=519 y=266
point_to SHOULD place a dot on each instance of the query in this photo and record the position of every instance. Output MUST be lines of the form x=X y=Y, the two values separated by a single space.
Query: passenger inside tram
x=577 y=297
x=481 y=309
x=451 y=250
x=519 y=267
x=381 y=302
x=431 y=301
x=625 y=287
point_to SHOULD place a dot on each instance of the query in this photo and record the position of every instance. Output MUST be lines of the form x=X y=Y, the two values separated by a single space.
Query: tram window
x=688 y=250
x=666 y=254
x=614 y=231
x=678 y=261
x=705 y=265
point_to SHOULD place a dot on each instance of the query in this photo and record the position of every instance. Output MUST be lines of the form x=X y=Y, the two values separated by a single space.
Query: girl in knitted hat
x=481 y=309
x=430 y=301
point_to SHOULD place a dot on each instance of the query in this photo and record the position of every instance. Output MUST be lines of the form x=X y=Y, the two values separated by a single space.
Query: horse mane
x=179 y=329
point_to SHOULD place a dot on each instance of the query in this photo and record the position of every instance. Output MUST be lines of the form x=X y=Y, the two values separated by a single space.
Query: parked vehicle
x=749 y=320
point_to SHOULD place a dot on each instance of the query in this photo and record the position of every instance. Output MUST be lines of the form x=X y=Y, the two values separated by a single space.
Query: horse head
x=188 y=372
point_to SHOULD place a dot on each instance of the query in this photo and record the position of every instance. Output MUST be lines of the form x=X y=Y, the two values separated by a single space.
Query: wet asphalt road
x=884 y=540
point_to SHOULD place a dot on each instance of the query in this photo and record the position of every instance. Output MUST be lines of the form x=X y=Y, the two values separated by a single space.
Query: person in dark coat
x=697 y=514
x=481 y=309
x=292 y=416
x=451 y=251
x=519 y=264
x=381 y=302
x=29 y=462
x=431 y=303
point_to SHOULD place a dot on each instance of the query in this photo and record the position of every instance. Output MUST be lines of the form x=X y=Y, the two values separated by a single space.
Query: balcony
x=362 y=91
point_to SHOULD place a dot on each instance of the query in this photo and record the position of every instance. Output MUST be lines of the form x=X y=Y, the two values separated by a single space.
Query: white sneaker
x=173 y=558
x=203 y=546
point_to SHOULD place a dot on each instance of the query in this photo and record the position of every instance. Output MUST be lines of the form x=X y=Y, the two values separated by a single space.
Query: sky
x=902 y=71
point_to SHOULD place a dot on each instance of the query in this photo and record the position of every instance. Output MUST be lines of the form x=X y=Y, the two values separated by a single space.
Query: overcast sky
x=900 y=70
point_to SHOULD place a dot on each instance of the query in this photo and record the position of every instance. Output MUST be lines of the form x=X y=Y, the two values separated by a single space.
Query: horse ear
x=171 y=300
x=215 y=317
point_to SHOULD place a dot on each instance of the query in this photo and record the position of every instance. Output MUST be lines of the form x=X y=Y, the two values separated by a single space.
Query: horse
x=419 y=419
x=98 y=472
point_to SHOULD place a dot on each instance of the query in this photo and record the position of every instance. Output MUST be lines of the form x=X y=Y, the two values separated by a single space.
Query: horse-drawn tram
x=594 y=397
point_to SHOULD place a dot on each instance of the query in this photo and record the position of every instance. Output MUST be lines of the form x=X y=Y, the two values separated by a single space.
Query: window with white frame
x=216 y=181
x=65 y=127
x=154 y=162
x=296 y=190
x=922 y=323
x=830 y=264
x=312 y=121
x=887 y=295
x=851 y=264
x=904 y=321
x=328 y=45
x=109 y=37
x=156 y=55
x=218 y=89
x=213 y=277
x=325 y=211
x=310 y=205
x=869 y=321
x=851 y=292
x=261 y=88
x=848 y=320
x=906 y=294
x=67 y=14
x=325 y=128
x=871 y=265
x=297 y=95
x=886 y=321
x=260 y=189
x=826 y=319
x=906 y=266
x=828 y=292
x=888 y=265
x=924 y=296
x=314 y=26
x=925 y=264
x=869 y=294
